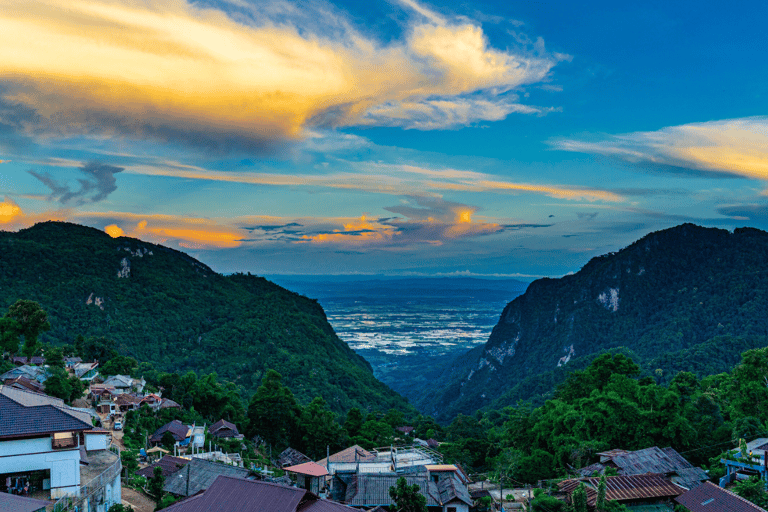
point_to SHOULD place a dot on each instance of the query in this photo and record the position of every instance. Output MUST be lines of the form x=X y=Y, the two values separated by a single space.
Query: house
x=406 y=431
x=99 y=392
x=70 y=362
x=223 y=429
x=22 y=360
x=178 y=430
x=167 y=403
x=127 y=401
x=30 y=372
x=46 y=447
x=664 y=461
x=309 y=476
x=31 y=399
x=85 y=371
x=199 y=475
x=25 y=383
x=625 y=489
x=169 y=464
x=754 y=463
x=12 y=503
x=394 y=459
x=711 y=498
x=125 y=384
x=232 y=494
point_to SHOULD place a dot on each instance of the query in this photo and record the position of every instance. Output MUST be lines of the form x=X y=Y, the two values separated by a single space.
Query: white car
x=118 y=425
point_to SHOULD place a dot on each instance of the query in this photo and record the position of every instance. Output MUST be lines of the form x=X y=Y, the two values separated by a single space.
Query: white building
x=45 y=447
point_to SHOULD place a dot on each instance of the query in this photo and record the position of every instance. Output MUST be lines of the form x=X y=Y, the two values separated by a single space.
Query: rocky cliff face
x=667 y=292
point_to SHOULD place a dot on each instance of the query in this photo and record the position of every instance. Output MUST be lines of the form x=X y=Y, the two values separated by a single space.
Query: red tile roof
x=711 y=498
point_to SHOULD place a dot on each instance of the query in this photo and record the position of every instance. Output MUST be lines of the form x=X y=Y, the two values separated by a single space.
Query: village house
x=86 y=372
x=711 y=498
x=291 y=457
x=25 y=383
x=742 y=466
x=223 y=429
x=36 y=373
x=309 y=476
x=198 y=475
x=168 y=464
x=125 y=384
x=232 y=494
x=179 y=431
x=48 y=448
x=649 y=489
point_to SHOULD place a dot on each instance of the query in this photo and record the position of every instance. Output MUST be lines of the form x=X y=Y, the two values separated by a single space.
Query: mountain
x=162 y=306
x=676 y=299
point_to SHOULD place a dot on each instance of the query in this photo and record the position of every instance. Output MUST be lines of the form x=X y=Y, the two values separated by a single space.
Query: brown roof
x=228 y=494
x=625 y=488
x=711 y=498
x=308 y=468
x=12 y=503
x=348 y=455
x=23 y=382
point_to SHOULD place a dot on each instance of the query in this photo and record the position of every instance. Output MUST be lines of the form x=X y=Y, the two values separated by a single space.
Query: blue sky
x=400 y=137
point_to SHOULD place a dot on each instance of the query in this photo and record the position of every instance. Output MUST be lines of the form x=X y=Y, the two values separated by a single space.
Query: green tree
x=77 y=388
x=118 y=507
x=752 y=490
x=320 y=429
x=98 y=349
x=10 y=330
x=128 y=458
x=579 y=499
x=354 y=422
x=273 y=413
x=156 y=483
x=54 y=357
x=57 y=384
x=600 y=504
x=32 y=320
x=407 y=498
x=119 y=365
x=168 y=441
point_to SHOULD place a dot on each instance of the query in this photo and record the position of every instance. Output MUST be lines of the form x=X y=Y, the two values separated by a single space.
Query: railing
x=75 y=503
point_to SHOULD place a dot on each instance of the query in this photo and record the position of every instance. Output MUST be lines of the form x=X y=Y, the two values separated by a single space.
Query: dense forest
x=684 y=298
x=161 y=306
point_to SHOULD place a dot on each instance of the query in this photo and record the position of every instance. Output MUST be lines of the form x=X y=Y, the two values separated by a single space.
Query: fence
x=90 y=490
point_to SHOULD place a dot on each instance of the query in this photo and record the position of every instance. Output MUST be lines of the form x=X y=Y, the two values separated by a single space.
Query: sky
x=400 y=137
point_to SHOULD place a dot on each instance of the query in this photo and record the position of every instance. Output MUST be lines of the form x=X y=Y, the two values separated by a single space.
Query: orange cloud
x=114 y=230
x=172 y=67
x=356 y=231
x=9 y=212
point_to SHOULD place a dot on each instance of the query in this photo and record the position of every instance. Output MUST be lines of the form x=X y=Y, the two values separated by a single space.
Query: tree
x=354 y=422
x=32 y=320
x=407 y=498
x=752 y=490
x=600 y=504
x=128 y=458
x=98 y=349
x=273 y=412
x=57 y=384
x=579 y=499
x=118 y=507
x=168 y=441
x=320 y=429
x=119 y=365
x=156 y=483
x=54 y=358
x=10 y=330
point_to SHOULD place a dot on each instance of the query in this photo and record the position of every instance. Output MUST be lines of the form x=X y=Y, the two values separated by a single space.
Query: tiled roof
x=12 y=503
x=17 y=420
x=664 y=461
x=175 y=427
x=200 y=474
x=169 y=464
x=222 y=425
x=711 y=498
x=369 y=490
x=31 y=399
x=451 y=489
x=228 y=494
x=348 y=455
x=25 y=383
x=625 y=488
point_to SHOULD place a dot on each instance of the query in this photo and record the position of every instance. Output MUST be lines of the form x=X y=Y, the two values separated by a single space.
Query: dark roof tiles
x=17 y=420
x=169 y=464
x=711 y=498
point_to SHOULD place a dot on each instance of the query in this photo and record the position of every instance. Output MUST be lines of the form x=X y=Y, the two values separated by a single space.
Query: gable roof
x=31 y=399
x=348 y=455
x=16 y=420
x=119 y=381
x=229 y=494
x=451 y=489
x=169 y=464
x=200 y=474
x=625 y=487
x=12 y=503
x=711 y=498
x=292 y=457
x=175 y=427
x=222 y=424
x=665 y=461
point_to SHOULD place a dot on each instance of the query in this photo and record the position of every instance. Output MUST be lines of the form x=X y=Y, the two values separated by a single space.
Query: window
x=451 y=509
x=63 y=440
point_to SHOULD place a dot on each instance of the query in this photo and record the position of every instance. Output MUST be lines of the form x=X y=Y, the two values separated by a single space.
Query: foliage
x=752 y=490
x=273 y=413
x=119 y=365
x=30 y=321
x=600 y=503
x=579 y=499
x=60 y=385
x=407 y=498
x=542 y=502
x=156 y=483
x=128 y=459
x=118 y=507
x=176 y=313
x=166 y=502
x=54 y=357
x=686 y=299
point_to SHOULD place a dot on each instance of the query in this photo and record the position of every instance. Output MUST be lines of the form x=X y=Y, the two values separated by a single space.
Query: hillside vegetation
x=163 y=306
x=686 y=298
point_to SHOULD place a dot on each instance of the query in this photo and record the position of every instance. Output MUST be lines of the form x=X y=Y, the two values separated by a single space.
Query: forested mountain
x=686 y=298
x=163 y=306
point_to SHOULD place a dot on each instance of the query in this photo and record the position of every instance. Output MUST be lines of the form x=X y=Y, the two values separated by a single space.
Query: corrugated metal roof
x=292 y=457
x=451 y=489
x=308 y=468
x=200 y=474
x=625 y=488
x=711 y=498
x=369 y=490
x=228 y=494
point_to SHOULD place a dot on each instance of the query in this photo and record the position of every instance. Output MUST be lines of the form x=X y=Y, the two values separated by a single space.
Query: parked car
x=118 y=425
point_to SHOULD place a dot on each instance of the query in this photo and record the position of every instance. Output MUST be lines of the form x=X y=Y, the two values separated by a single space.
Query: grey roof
x=31 y=399
x=711 y=498
x=11 y=503
x=17 y=420
x=119 y=381
x=370 y=490
x=292 y=457
x=169 y=464
x=228 y=494
x=175 y=427
x=451 y=489
x=656 y=460
x=200 y=474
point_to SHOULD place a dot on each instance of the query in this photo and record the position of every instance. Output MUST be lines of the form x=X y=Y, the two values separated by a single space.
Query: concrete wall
x=96 y=441
x=30 y=455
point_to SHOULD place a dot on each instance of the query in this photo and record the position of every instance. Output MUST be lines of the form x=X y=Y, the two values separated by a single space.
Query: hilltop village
x=76 y=434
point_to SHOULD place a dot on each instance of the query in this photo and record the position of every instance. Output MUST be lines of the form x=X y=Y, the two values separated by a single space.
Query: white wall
x=96 y=441
x=25 y=446
x=64 y=465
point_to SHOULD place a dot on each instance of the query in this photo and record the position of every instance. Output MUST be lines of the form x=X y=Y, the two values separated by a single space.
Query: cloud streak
x=98 y=184
x=736 y=147
x=176 y=71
